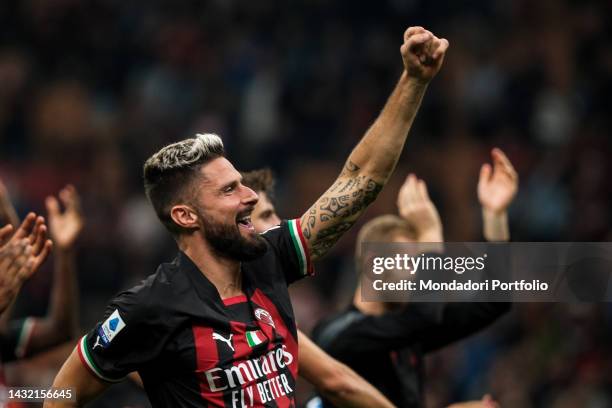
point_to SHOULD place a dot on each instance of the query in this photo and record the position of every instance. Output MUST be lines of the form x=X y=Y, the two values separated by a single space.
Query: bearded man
x=216 y=327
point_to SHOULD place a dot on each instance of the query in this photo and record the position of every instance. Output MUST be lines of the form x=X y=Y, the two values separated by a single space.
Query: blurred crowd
x=88 y=90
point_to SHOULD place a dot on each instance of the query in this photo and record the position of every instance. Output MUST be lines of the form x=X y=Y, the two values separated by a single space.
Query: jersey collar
x=204 y=287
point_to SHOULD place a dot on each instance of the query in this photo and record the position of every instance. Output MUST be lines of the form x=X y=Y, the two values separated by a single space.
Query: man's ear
x=184 y=216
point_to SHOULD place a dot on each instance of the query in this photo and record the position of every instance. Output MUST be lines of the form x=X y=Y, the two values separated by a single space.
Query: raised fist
x=423 y=54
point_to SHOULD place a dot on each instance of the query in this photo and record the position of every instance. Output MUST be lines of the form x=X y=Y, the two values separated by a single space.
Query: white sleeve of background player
x=15 y=339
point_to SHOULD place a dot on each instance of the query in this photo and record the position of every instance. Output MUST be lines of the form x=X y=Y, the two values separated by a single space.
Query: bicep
x=337 y=209
x=76 y=376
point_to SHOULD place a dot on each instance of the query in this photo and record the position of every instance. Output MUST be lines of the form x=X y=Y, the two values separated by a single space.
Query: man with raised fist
x=215 y=327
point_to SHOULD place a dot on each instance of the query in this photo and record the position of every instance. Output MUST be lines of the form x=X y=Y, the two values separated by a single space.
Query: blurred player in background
x=216 y=325
x=23 y=338
x=21 y=254
x=386 y=342
x=336 y=381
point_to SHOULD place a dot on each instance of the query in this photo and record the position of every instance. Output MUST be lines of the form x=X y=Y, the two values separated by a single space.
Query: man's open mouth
x=244 y=221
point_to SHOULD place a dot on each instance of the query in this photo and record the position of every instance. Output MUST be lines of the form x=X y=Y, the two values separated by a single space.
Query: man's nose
x=249 y=196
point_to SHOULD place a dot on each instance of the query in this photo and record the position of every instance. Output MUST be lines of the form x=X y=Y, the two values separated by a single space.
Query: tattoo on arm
x=338 y=209
x=312 y=219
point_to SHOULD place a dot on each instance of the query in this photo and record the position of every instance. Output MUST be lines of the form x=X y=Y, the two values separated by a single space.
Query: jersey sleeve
x=460 y=320
x=431 y=325
x=15 y=339
x=354 y=332
x=129 y=338
x=291 y=248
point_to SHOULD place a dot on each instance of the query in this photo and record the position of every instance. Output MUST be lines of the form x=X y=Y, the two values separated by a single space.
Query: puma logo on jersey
x=97 y=343
x=228 y=341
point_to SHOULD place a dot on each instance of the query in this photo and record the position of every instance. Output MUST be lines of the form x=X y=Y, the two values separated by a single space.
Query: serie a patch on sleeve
x=109 y=329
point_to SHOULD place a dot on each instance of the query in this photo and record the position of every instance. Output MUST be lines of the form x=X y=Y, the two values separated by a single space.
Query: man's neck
x=222 y=272
x=369 y=308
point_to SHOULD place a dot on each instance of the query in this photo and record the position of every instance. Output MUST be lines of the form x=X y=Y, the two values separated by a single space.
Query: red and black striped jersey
x=193 y=349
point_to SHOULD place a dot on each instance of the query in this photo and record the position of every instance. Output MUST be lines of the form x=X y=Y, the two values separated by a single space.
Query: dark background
x=89 y=89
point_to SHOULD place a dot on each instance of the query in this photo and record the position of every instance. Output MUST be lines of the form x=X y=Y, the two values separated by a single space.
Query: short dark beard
x=227 y=241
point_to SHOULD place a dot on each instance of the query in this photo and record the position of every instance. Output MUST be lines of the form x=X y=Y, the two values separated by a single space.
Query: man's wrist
x=495 y=225
x=494 y=216
x=65 y=250
x=494 y=213
x=411 y=81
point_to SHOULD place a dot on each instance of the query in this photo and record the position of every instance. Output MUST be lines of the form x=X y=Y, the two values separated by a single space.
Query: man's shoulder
x=157 y=295
x=329 y=329
x=287 y=250
x=269 y=259
x=286 y=229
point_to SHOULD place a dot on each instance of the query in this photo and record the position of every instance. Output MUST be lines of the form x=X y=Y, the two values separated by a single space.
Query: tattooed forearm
x=334 y=230
x=368 y=167
x=338 y=209
x=310 y=223
x=332 y=207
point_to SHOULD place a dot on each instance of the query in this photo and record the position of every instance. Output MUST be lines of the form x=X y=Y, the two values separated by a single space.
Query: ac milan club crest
x=264 y=316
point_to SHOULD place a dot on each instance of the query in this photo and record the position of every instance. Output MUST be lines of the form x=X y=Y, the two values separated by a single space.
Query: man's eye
x=228 y=189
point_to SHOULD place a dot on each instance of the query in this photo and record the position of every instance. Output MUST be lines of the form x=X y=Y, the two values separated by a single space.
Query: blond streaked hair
x=170 y=172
